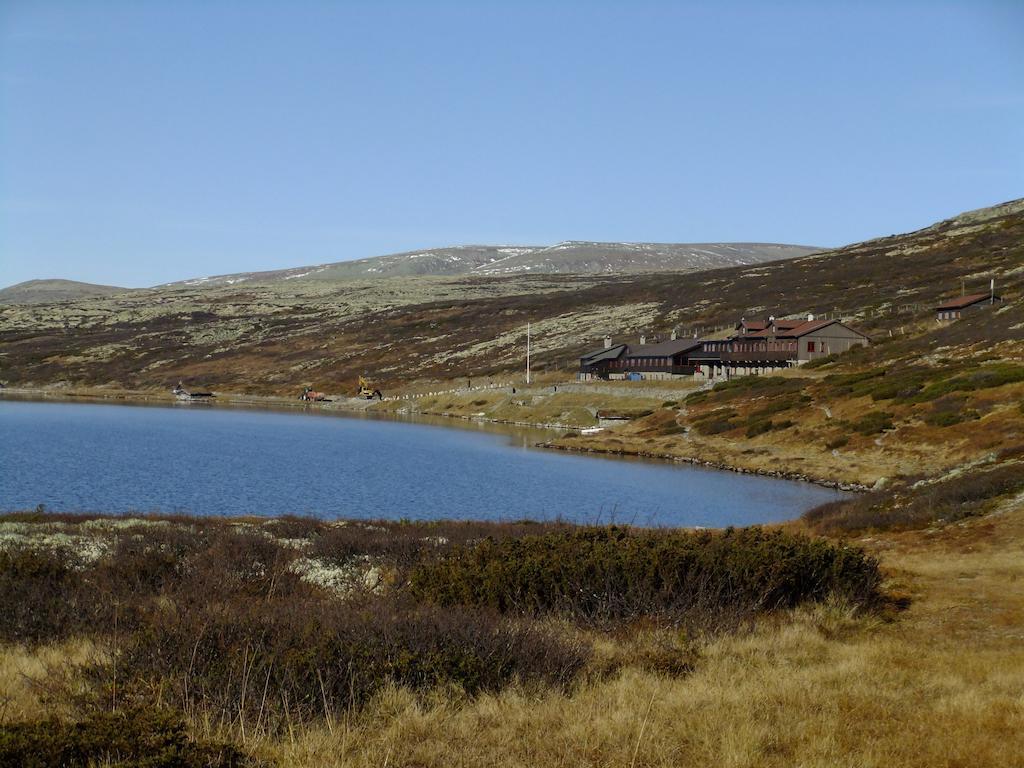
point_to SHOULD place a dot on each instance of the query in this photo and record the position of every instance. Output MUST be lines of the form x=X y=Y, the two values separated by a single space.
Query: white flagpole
x=527 y=353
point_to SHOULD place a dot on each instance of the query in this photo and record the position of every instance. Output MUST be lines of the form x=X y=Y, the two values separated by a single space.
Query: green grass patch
x=873 y=422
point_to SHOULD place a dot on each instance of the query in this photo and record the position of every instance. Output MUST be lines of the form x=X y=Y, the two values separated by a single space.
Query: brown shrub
x=134 y=738
x=267 y=662
x=403 y=543
x=909 y=507
x=613 y=574
x=40 y=596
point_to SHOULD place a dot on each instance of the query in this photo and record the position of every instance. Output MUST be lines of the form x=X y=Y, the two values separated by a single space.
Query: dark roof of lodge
x=965 y=301
x=663 y=349
x=610 y=353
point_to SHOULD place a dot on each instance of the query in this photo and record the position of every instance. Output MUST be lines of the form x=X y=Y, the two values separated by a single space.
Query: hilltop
x=45 y=291
x=572 y=257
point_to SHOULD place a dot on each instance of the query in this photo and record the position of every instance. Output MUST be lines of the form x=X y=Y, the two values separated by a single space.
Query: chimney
x=810 y=318
x=643 y=339
x=675 y=335
x=607 y=342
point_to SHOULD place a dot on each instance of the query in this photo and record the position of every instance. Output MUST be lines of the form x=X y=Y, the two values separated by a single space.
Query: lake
x=75 y=457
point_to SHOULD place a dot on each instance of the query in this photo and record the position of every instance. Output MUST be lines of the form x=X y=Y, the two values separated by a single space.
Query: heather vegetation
x=299 y=641
x=127 y=738
x=909 y=505
x=614 y=574
x=258 y=628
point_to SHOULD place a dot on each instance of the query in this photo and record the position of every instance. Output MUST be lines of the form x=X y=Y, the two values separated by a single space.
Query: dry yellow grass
x=22 y=670
x=941 y=683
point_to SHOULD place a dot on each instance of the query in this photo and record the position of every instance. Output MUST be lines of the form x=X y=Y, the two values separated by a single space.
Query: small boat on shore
x=186 y=395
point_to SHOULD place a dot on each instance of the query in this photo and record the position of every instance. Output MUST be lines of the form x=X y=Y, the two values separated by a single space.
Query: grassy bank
x=859 y=419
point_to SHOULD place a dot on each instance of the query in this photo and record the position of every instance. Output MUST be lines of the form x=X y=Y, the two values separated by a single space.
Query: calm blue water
x=210 y=461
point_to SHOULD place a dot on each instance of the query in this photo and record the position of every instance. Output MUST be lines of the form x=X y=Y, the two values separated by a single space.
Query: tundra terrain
x=925 y=397
x=270 y=337
x=883 y=629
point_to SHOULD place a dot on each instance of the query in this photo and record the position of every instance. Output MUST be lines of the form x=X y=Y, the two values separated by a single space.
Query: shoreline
x=698 y=462
x=355 y=405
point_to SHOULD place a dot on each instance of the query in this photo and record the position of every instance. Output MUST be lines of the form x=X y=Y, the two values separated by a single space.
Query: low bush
x=837 y=442
x=949 y=418
x=50 y=594
x=820 y=362
x=611 y=574
x=925 y=505
x=781 y=404
x=984 y=377
x=41 y=597
x=266 y=663
x=402 y=544
x=845 y=383
x=673 y=429
x=1011 y=452
x=716 y=426
x=761 y=386
x=134 y=738
x=873 y=422
x=899 y=387
x=757 y=427
x=296 y=527
x=717 y=421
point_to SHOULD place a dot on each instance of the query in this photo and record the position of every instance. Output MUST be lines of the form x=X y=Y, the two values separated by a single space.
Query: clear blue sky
x=143 y=142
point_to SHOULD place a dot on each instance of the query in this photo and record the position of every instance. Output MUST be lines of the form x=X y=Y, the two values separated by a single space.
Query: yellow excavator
x=366 y=390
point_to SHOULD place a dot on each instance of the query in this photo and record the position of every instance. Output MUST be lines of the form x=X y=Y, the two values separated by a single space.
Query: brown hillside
x=272 y=338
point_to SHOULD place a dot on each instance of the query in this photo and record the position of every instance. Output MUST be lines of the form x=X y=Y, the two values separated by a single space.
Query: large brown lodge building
x=755 y=347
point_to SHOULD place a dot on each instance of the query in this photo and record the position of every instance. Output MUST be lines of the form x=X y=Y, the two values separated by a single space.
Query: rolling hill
x=271 y=336
x=572 y=257
x=42 y=291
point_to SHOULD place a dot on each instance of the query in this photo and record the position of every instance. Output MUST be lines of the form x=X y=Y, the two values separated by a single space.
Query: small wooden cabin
x=954 y=309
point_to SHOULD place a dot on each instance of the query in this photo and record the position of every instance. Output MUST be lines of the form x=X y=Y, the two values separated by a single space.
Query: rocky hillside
x=275 y=336
x=42 y=291
x=574 y=257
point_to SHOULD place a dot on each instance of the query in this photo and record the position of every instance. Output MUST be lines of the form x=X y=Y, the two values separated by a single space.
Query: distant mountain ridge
x=44 y=291
x=570 y=257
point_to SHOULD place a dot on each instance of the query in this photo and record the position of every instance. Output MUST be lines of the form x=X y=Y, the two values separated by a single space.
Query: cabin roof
x=797 y=330
x=965 y=301
x=611 y=353
x=664 y=348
